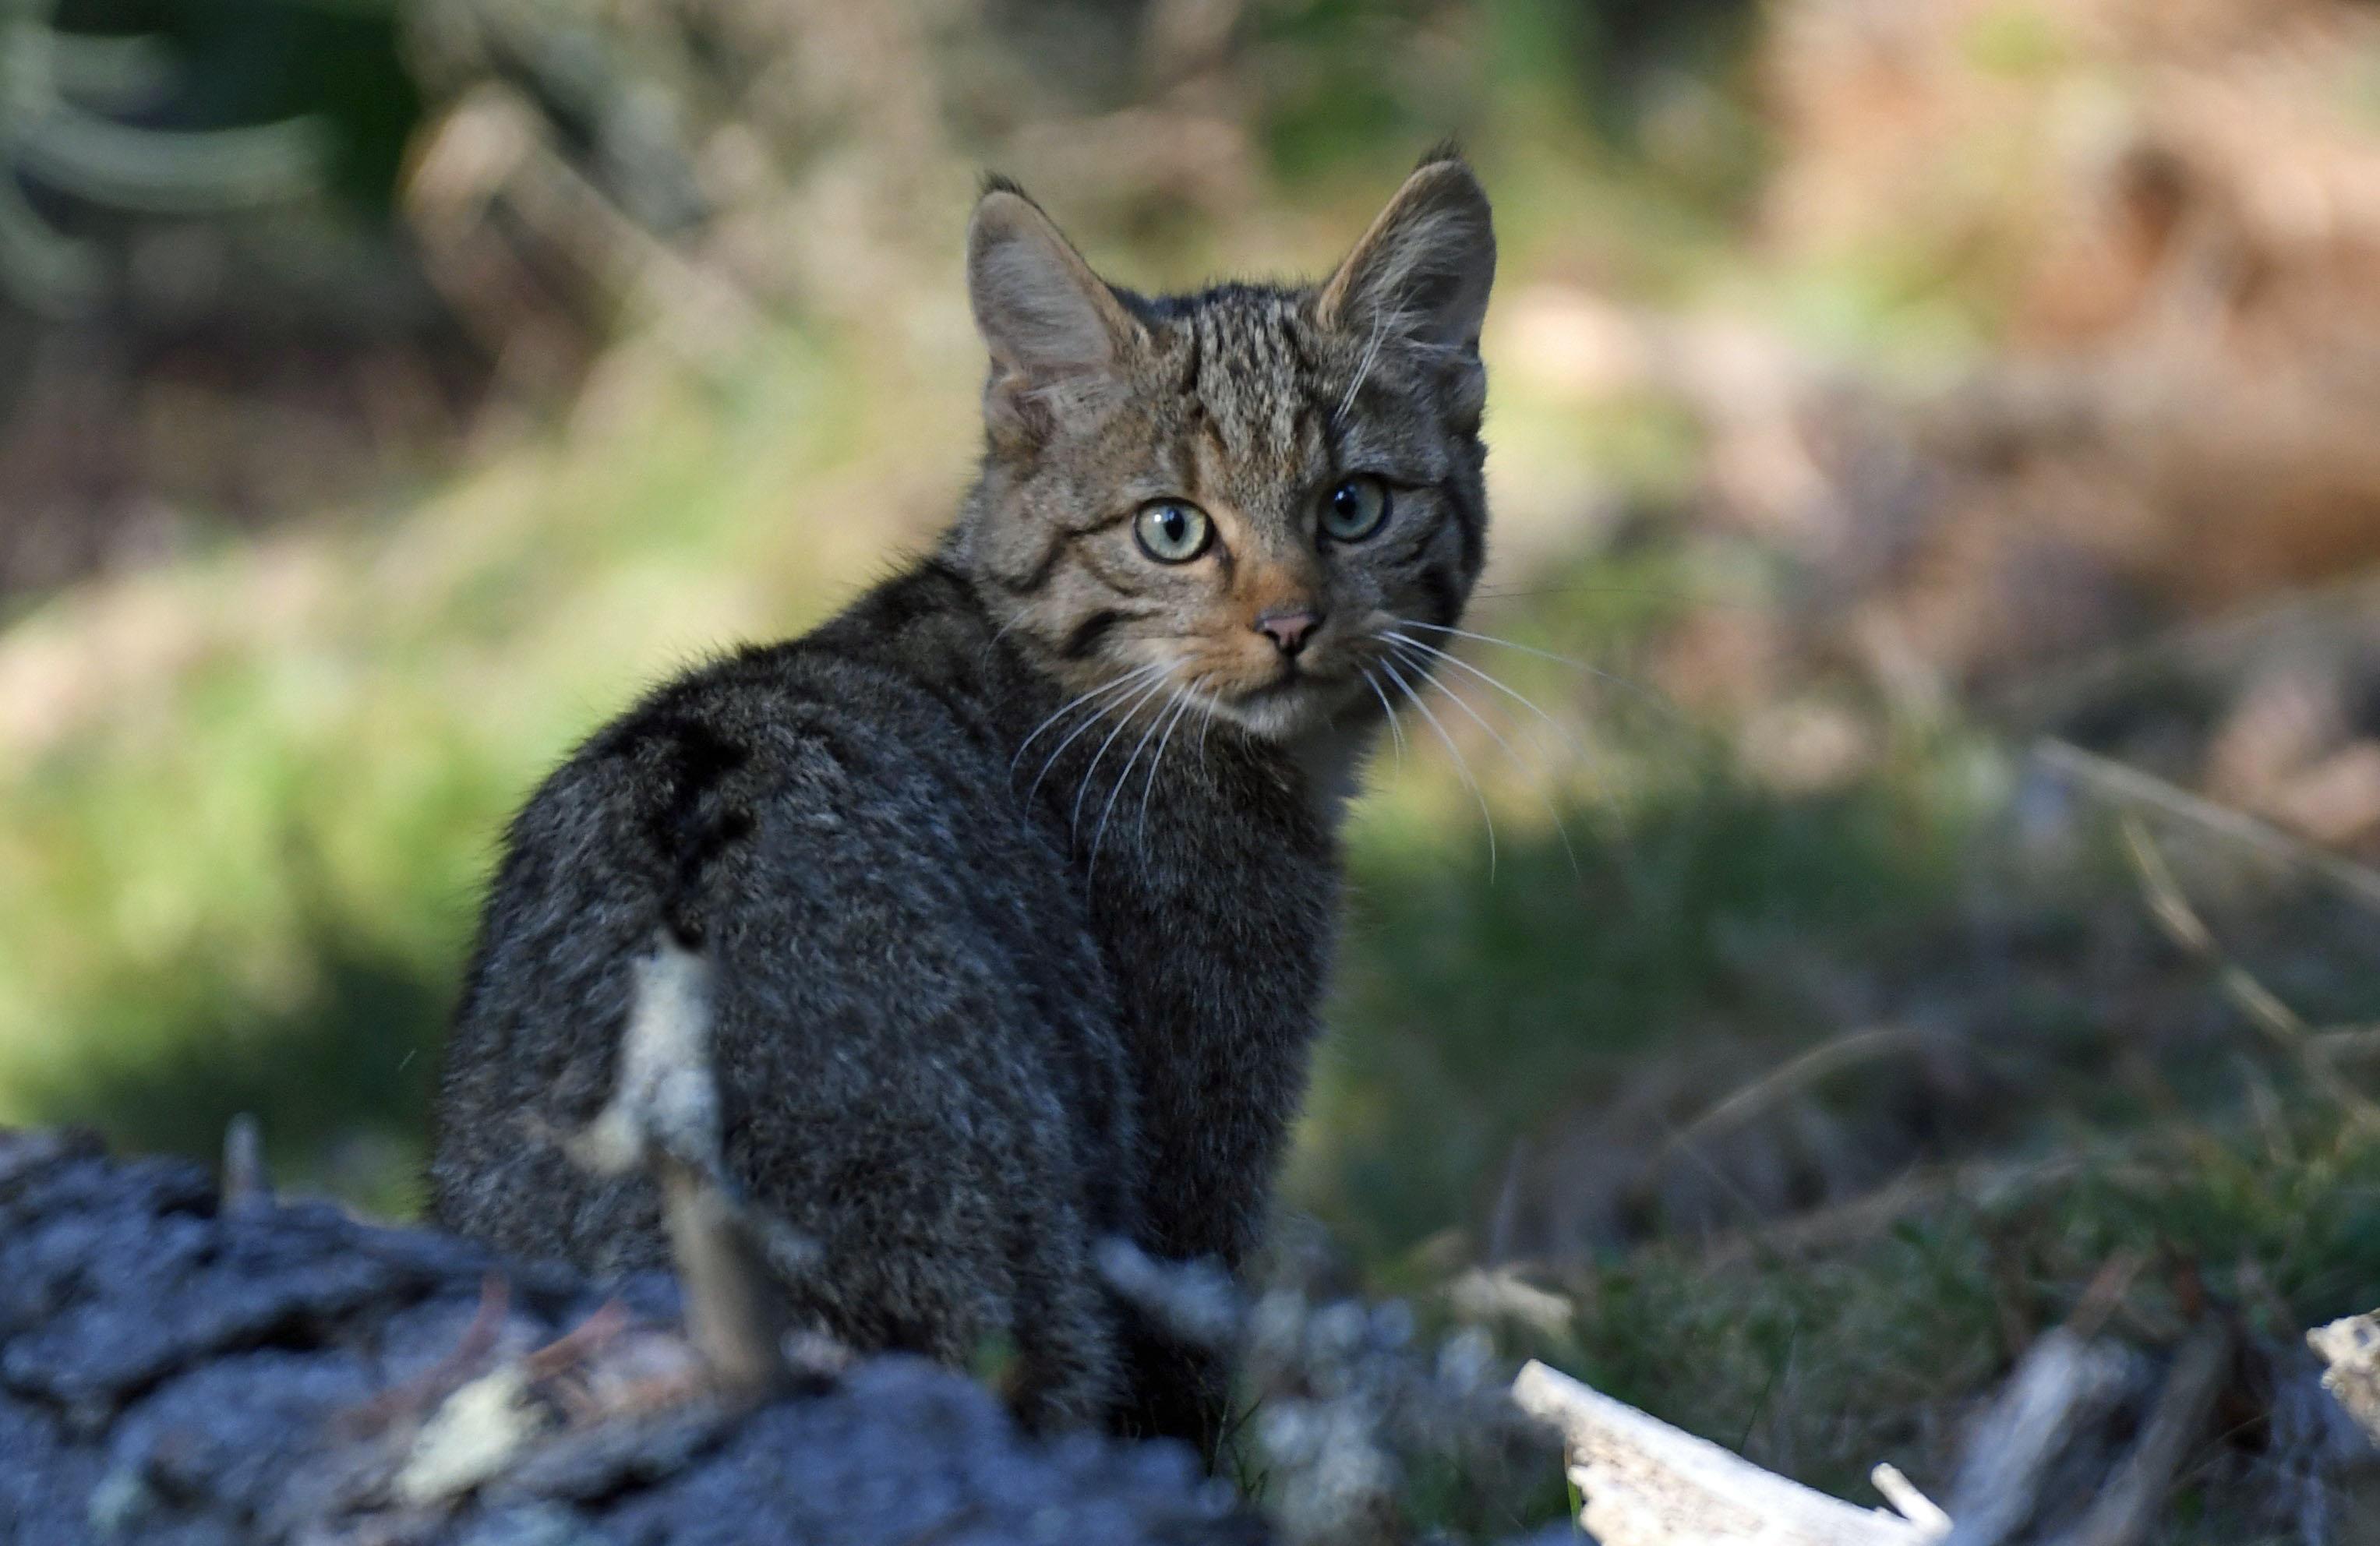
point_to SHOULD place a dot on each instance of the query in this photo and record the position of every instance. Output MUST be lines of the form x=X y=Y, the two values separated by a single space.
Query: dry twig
x=246 y=1182
x=2350 y=1350
x=1847 y=1050
x=2171 y=908
x=664 y=1115
x=1648 y=1484
x=2129 y=1502
x=2061 y=1381
x=2129 y=784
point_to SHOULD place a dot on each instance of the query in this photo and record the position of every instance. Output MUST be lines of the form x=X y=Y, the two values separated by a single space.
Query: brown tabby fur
x=1016 y=883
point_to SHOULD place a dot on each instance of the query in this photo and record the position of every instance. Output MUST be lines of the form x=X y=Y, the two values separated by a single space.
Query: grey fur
x=1018 y=880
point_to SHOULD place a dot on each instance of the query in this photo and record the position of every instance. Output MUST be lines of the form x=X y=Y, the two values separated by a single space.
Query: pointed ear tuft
x=1447 y=149
x=1056 y=332
x=1423 y=269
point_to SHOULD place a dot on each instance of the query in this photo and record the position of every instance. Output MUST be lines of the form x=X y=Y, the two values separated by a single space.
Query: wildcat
x=1015 y=883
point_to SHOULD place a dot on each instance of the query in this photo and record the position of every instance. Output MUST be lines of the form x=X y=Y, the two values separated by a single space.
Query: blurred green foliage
x=1493 y=1002
x=235 y=62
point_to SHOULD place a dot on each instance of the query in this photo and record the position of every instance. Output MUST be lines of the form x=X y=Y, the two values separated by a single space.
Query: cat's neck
x=1331 y=760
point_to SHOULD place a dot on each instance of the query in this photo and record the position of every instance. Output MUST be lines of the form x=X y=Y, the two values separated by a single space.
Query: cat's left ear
x=1423 y=271
x=1056 y=333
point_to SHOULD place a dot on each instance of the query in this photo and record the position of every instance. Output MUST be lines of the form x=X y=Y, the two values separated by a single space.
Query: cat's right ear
x=1423 y=269
x=1056 y=333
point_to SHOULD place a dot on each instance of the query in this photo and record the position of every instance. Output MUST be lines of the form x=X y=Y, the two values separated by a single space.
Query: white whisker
x=1492 y=638
x=1396 y=730
x=1124 y=720
x=1126 y=680
x=1051 y=762
x=1461 y=702
x=1460 y=767
x=1363 y=366
x=1157 y=759
x=1556 y=726
x=1650 y=698
x=1124 y=774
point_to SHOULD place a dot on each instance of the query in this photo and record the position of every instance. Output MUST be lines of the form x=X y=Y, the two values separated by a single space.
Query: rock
x=175 y=1371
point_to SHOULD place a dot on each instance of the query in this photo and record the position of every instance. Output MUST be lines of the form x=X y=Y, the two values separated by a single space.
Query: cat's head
x=1234 y=495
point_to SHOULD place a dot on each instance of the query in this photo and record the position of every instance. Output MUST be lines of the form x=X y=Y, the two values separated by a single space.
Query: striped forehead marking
x=1251 y=379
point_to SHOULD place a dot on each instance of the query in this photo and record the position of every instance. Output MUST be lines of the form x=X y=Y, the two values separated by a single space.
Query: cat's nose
x=1289 y=630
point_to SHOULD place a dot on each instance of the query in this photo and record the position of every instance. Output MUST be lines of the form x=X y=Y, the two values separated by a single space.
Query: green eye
x=1354 y=510
x=1172 y=532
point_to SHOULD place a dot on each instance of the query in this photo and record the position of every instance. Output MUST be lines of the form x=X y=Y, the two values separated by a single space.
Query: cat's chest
x=1207 y=872
x=1216 y=926
x=1218 y=910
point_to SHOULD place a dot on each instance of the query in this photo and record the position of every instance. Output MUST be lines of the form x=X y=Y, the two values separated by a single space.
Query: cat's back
x=830 y=819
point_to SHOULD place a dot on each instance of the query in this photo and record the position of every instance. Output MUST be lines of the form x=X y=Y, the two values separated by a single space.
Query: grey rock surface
x=177 y=1370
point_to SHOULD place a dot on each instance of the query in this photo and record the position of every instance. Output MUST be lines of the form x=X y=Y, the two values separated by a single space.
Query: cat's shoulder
x=900 y=671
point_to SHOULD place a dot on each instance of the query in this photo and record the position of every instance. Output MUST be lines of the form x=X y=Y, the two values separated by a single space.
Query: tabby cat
x=1015 y=883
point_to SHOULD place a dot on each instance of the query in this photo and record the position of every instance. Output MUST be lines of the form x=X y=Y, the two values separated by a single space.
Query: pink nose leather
x=1289 y=630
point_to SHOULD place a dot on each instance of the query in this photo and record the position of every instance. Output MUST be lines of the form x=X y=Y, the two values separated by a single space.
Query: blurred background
x=1937 y=542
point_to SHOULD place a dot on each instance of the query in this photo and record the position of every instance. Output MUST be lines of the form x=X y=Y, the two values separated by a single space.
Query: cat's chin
x=1293 y=711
